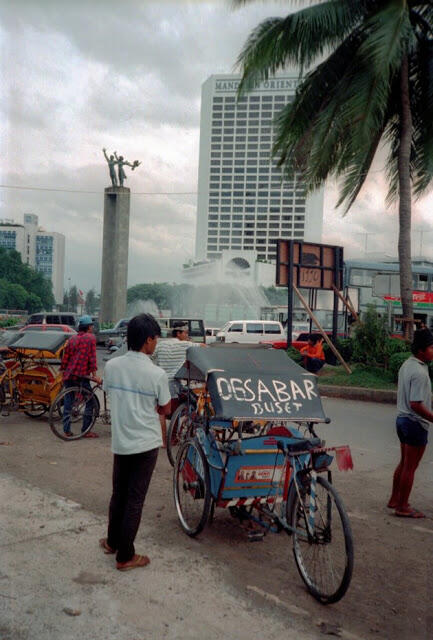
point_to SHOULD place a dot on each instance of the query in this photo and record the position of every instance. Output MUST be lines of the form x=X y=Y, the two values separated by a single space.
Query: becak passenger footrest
x=255 y=536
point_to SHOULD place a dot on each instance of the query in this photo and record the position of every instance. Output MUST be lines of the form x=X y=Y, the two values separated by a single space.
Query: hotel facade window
x=238 y=176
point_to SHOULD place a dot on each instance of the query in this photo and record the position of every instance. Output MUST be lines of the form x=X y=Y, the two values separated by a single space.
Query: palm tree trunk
x=405 y=201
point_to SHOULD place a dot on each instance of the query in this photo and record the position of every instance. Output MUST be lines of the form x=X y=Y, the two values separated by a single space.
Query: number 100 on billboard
x=308 y=265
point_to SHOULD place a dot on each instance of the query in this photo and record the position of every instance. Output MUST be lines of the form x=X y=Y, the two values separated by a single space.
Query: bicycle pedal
x=255 y=536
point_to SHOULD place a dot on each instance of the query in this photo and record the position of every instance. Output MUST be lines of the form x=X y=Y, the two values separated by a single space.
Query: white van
x=211 y=334
x=56 y=317
x=251 y=331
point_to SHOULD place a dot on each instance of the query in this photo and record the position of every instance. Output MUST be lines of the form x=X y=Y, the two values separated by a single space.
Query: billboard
x=309 y=265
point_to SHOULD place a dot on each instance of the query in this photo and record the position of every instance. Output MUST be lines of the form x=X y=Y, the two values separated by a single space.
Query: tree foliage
x=275 y=296
x=159 y=293
x=92 y=301
x=73 y=297
x=21 y=287
x=372 y=83
x=370 y=338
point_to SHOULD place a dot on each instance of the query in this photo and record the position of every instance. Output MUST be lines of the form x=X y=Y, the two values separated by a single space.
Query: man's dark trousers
x=131 y=478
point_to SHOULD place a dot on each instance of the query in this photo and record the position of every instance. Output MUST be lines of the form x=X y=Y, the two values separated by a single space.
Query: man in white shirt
x=414 y=407
x=138 y=392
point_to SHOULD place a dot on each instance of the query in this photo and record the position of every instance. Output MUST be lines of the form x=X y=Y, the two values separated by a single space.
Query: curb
x=388 y=396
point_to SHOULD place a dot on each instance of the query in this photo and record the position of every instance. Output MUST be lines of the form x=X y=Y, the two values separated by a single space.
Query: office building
x=42 y=250
x=244 y=202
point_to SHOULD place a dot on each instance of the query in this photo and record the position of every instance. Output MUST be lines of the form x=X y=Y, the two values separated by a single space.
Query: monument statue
x=120 y=164
x=112 y=161
x=111 y=167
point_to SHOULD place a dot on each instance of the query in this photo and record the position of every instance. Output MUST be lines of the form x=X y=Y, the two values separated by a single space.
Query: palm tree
x=369 y=83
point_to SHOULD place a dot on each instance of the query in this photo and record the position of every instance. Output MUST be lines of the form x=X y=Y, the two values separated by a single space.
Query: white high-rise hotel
x=243 y=204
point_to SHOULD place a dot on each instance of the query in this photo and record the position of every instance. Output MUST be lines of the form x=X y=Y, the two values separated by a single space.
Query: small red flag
x=344 y=458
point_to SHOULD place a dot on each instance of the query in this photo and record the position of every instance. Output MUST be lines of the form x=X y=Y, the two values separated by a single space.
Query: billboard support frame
x=322 y=331
x=319 y=268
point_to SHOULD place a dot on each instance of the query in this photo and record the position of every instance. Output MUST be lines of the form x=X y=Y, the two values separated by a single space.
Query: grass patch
x=361 y=376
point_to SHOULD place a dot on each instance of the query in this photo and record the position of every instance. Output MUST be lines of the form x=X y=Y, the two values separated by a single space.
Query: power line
x=135 y=193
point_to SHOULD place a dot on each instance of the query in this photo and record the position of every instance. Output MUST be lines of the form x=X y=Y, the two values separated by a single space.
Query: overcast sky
x=78 y=76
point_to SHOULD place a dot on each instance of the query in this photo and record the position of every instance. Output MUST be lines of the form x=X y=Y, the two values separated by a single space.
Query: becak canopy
x=247 y=383
x=40 y=341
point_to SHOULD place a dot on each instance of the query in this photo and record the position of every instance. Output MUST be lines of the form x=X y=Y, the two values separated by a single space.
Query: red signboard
x=417 y=296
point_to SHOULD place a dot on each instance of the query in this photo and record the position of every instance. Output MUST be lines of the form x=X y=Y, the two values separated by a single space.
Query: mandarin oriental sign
x=282 y=84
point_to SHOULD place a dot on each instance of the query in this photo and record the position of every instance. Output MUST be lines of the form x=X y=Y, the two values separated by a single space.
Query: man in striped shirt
x=170 y=355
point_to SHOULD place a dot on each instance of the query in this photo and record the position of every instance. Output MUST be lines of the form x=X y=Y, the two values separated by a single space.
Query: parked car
x=113 y=337
x=211 y=334
x=251 y=331
x=195 y=326
x=299 y=327
x=299 y=341
x=68 y=318
x=65 y=328
x=302 y=338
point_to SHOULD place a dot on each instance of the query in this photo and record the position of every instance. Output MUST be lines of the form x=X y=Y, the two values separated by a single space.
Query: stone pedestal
x=115 y=254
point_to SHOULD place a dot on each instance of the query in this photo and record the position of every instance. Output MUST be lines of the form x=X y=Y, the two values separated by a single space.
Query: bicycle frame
x=104 y=413
x=291 y=487
x=266 y=493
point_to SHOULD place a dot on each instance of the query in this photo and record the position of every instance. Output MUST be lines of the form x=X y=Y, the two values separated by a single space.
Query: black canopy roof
x=6 y=337
x=40 y=341
x=235 y=360
x=246 y=383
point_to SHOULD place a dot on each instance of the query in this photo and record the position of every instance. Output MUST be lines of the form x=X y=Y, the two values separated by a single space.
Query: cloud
x=79 y=76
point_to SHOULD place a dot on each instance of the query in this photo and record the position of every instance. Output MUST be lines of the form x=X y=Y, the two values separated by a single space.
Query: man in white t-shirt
x=138 y=392
x=414 y=408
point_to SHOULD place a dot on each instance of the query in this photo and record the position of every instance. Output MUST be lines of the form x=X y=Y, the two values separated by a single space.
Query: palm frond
x=349 y=103
x=298 y=39
x=391 y=137
x=356 y=173
x=390 y=35
x=321 y=132
x=422 y=113
x=318 y=89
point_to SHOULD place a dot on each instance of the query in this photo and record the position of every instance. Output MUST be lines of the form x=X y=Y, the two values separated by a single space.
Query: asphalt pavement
x=55 y=583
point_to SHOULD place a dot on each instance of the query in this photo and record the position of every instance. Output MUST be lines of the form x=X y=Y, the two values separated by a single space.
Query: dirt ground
x=392 y=587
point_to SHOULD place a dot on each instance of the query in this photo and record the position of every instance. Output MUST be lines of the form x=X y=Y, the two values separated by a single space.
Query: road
x=392 y=589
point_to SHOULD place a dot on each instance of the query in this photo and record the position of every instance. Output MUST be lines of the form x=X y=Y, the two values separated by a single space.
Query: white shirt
x=135 y=386
x=413 y=386
x=170 y=354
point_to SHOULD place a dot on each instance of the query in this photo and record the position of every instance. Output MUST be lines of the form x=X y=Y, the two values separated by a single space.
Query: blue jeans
x=67 y=405
x=313 y=365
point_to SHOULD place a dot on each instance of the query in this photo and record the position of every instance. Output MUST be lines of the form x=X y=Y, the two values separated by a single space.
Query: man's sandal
x=135 y=562
x=104 y=545
x=411 y=513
